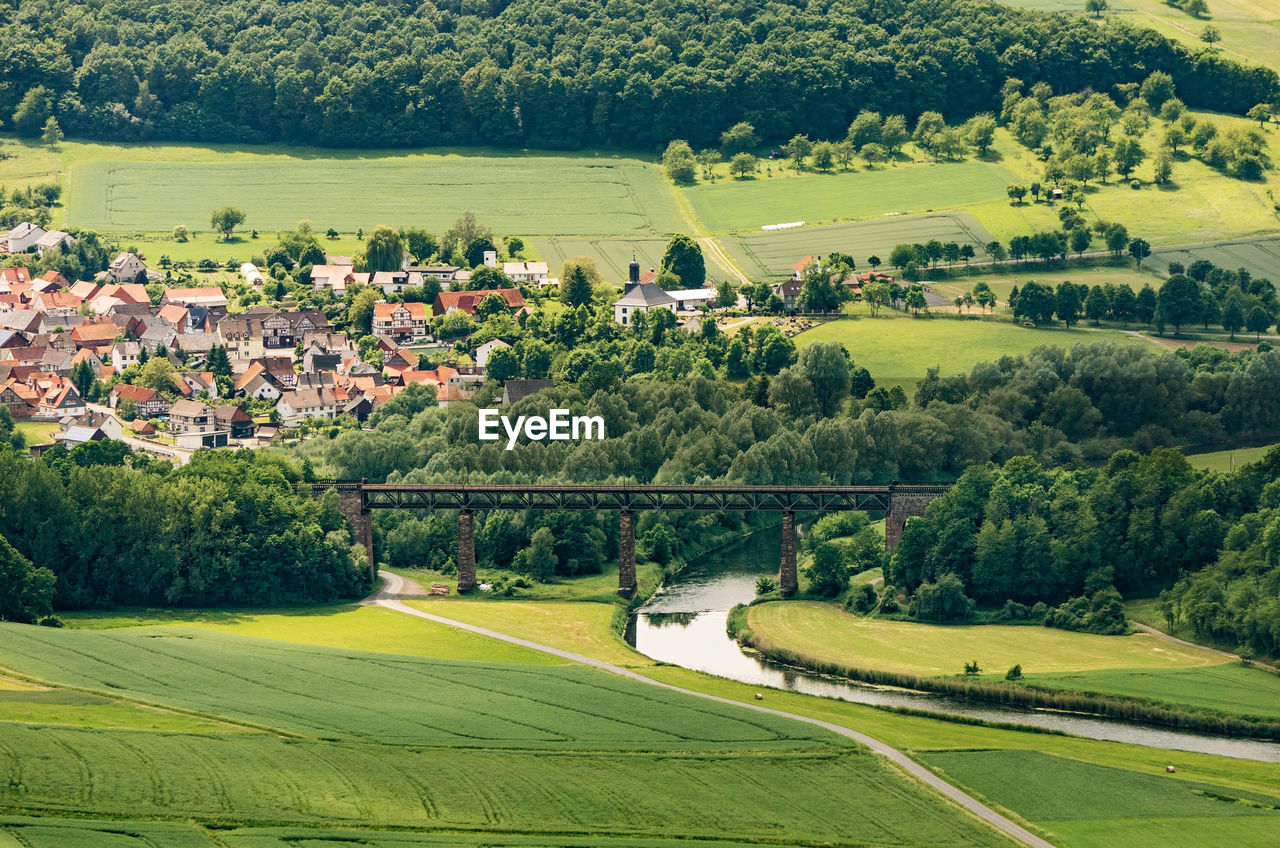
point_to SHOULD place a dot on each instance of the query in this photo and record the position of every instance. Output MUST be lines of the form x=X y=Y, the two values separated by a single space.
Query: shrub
x=943 y=601
x=972 y=668
x=1014 y=673
x=765 y=585
x=863 y=599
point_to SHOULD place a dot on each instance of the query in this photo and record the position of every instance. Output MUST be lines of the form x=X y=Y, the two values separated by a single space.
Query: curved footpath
x=395 y=585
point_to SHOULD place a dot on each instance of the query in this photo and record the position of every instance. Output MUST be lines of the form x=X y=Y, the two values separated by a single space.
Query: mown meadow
x=1140 y=665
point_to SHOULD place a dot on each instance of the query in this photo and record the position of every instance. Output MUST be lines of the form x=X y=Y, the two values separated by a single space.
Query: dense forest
x=1029 y=537
x=117 y=528
x=557 y=73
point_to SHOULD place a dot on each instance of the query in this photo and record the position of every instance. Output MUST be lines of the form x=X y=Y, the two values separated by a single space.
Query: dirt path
x=715 y=249
x=1145 y=628
x=395 y=585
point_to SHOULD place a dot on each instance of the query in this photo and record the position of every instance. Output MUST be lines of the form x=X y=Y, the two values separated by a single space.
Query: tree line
x=116 y=528
x=557 y=73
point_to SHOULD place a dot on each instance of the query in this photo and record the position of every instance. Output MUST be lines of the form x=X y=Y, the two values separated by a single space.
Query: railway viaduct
x=898 y=503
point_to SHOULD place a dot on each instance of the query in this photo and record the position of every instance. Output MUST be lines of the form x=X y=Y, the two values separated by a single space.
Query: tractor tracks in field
x=396 y=587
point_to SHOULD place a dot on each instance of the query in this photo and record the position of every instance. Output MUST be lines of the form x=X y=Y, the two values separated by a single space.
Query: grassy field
x=1227 y=687
x=1091 y=806
x=1228 y=460
x=825 y=630
x=37 y=432
x=899 y=350
x=772 y=254
x=578 y=626
x=1249 y=28
x=379 y=740
x=1139 y=665
x=730 y=205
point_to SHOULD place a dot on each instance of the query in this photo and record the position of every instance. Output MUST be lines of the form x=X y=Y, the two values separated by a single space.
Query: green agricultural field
x=49 y=832
x=899 y=350
x=827 y=632
x=389 y=741
x=1228 y=460
x=773 y=254
x=1091 y=806
x=920 y=734
x=729 y=205
x=1260 y=256
x=1090 y=273
x=613 y=256
x=361 y=628
x=44 y=706
x=150 y=188
x=323 y=692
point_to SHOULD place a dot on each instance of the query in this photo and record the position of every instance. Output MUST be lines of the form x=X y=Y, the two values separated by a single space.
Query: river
x=684 y=624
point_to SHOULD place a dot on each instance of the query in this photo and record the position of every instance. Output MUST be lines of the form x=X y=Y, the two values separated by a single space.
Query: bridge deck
x=631 y=497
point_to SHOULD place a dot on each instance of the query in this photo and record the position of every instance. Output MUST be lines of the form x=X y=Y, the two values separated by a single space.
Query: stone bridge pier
x=351 y=505
x=466 y=551
x=626 y=554
x=901 y=507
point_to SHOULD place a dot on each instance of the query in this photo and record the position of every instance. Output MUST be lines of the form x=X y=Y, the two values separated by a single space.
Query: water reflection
x=684 y=624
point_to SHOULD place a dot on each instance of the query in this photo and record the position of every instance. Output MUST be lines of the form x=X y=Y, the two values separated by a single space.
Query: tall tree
x=683 y=257
x=226 y=219
x=1178 y=302
x=26 y=592
x=383 y=251
x=826 y=365
x=575 y=284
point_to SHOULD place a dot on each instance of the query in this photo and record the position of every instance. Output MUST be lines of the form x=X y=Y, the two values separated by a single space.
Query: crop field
x=730 y=205
x=899 y=350
x=314 y=691
x=1091 y=274
x=360 y=628
x=1260 y=256
x=920 y=734
x=47 y=832
x=1091 y=806
x=527 y=195
x=823 y=630
x=1228 y=460
x=379 y=740
x=613 y=255
x=773 y=254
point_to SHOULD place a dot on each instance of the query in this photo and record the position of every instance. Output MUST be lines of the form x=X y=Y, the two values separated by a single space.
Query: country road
x=395 y=587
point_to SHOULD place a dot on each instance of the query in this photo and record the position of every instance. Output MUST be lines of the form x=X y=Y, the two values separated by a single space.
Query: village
x=75 y=353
